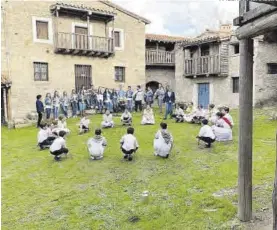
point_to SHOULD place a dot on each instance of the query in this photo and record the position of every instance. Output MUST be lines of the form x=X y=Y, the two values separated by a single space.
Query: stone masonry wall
x=24 y=51
x=265 y=91
x=163 y=75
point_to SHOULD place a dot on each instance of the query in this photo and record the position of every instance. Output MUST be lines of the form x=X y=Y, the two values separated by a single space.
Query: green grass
x=38 y=193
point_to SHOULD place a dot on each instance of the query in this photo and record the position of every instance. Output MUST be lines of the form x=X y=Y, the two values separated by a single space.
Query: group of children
x=220 y=119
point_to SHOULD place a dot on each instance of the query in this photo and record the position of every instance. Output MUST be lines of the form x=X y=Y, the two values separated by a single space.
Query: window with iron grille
x=119 y=73
x=272 y=68
x=235 y=84
x=40 y=71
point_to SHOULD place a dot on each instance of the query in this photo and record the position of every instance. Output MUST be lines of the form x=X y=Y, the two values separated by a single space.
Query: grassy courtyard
x=193 y=189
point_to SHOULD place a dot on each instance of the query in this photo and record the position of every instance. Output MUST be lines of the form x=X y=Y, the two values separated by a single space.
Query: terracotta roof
x=117 y=7
x=209 y=36
x=5 y=79
x=164 y=38
x=83 y=7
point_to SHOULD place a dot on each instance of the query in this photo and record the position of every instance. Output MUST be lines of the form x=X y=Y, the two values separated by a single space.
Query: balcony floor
x=80 y=52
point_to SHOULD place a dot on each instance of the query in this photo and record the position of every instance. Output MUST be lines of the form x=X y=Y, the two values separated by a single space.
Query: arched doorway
x=154 y=85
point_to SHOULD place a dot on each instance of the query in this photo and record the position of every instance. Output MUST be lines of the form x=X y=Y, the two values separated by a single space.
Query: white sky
x=182 y=17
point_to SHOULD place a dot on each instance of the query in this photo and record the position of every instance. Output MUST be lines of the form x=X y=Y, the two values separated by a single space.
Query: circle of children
x=52 y=134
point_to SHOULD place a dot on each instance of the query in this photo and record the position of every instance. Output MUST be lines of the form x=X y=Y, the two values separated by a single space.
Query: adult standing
x=138 y=96
x=129 y=96
x=56 y=105
x=107 y=99
x=82 y=100
x=149 y=96
x=115 y=101
x=159 y=94
x=40 y=109
x=169 y=100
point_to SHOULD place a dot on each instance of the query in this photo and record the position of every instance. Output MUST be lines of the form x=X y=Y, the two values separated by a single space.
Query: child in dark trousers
x=40 y=109
x=206 y=134
x=129 y=144
x=59 y=147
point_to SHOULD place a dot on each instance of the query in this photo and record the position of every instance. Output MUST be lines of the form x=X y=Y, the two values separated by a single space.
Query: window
x=235 y=84
x=205 y=50
x=236 y=49
x=118 y=36
x=42 y=30
x=40 y=71
x=119 y=73
x=117 y=39
x=272 y=68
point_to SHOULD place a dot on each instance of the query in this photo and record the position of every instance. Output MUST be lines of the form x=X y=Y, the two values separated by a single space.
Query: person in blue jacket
x=40 y=109
x=169 y=100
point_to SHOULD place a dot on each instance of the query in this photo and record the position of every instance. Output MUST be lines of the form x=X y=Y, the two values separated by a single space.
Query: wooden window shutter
x=42 y=30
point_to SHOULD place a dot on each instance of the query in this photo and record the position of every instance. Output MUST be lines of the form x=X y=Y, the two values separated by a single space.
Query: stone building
x=48 y=46
x=207 y=69
x=160 y=60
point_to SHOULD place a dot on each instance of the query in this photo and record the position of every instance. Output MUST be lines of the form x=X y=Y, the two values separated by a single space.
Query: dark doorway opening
x=154 y=85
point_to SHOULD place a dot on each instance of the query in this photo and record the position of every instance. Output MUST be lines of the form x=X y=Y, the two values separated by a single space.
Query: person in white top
x=107 y=120
x=62 y=124
x=96 y=145
x=227 y=115
x=58 y=147
x=138 y=97
x=148 y=116
x=129 y=144
x=211 y=116
x=163 y=142
x=223 y=128
x=126 y=118
x=179 y=113
x=199 y=115
x=84 y=125
x=190 y=112
x=44 y=139
x=206 y=133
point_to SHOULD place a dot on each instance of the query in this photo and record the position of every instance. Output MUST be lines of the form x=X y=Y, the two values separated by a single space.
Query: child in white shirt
x=129 y=144
x=96 y=145
x=179 y=113
x=58 y=147
x=227 y=115
x=107 y=120
x=84 y=125
x=206 y=134
x=163 y=142
x=126 y=118
x=44 y=139
x=62 y=124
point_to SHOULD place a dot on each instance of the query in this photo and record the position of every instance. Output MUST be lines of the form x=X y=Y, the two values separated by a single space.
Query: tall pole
x=245 y=129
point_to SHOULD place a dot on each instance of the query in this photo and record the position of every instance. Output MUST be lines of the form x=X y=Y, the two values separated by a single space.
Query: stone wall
x=24 y=51
x=265 y=85
x=163 y=75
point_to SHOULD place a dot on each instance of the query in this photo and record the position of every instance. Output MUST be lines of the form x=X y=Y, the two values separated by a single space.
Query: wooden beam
x=91 y=53
x=257 y=13
x=258 y=27
x=76 y=51
x=245 y=130
x=274 y=195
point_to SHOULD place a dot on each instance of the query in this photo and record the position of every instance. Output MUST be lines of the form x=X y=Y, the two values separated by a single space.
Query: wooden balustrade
x=81 y=42
x=202 y=65
x=159 y=57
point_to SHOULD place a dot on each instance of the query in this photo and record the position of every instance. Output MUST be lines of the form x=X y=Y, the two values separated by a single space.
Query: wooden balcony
x=205 y=65
x=81 y=44
x=159 y=58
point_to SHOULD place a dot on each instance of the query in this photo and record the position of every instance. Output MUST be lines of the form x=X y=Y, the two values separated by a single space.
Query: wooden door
x=82 y=77
x=81 y=38
x=204 y=95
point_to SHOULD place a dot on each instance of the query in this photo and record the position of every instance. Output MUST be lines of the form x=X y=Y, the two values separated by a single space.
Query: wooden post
x=274 y=195
x=8 y=98
x=245 y=129
x=113 y=36
x=4 y=95
x=56 y=34
x=88 y=37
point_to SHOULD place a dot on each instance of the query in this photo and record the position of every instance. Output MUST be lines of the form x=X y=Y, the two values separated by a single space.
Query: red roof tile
x=164 y=38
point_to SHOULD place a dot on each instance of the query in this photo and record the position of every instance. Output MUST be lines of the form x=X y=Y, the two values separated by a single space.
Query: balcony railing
x=81 y=43
x=202 y=65
x=159 y=57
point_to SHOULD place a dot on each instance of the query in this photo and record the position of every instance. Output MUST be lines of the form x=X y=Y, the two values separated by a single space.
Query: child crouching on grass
x=163 y=142
x=44 y=139
x=126 y=118
x=62 y=124
x=58 y=147
x=129 y=144
x=84 y=125
x=96 y=145
x=206 y=134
